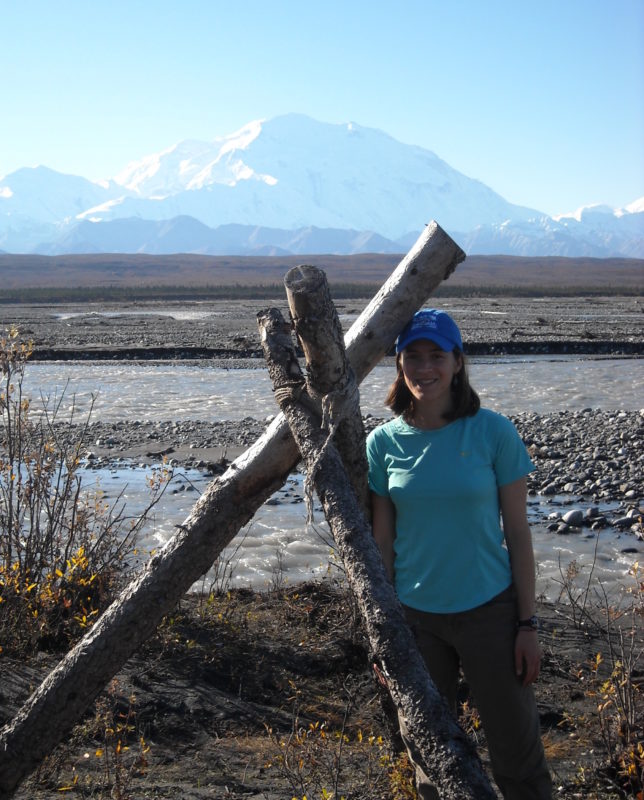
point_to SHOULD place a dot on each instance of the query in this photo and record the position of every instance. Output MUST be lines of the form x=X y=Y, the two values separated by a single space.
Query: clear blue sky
x=543 y=101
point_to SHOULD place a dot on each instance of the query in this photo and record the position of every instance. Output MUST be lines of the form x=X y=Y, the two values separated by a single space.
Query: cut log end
x=304 y=278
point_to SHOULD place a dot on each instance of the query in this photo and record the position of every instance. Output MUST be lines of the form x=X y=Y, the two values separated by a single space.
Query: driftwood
x=448 y=758
x=330 y=379
x=229 y=503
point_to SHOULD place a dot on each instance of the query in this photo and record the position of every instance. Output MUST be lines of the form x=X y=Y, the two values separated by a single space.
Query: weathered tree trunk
x=330 y=379
x=448 y=757
x=229 y=503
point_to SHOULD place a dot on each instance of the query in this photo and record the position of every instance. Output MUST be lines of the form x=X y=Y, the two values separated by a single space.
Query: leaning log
x=228 y=503
x=448 y=757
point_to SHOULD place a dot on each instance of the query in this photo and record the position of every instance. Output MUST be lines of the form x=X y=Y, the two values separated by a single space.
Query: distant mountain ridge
x=292 y=185
x=188 y=235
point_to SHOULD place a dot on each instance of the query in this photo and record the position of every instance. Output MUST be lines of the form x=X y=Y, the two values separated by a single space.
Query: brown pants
x=481 y=641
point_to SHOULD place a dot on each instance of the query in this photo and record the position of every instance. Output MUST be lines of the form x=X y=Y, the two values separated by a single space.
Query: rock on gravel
x=593 y=457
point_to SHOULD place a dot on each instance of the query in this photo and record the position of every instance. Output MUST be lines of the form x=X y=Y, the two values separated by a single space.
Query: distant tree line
x=120 y=294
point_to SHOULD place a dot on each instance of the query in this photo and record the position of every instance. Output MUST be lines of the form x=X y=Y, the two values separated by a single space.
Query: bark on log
x=329 y=377
x=229 y=503
x=448 y=757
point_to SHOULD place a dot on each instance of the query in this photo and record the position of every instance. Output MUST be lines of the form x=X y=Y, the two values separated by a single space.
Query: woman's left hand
x=527 y=655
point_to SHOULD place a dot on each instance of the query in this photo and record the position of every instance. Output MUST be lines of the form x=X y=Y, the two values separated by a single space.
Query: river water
x=278 y=546
x=177 y=391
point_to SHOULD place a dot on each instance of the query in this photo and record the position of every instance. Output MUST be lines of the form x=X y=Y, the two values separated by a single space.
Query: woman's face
x=428 y=372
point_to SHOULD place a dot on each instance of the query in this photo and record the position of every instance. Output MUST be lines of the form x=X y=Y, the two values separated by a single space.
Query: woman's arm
x=512 y=498
x=383 y=522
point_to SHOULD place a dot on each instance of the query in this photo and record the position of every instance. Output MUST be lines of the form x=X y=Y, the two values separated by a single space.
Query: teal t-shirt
x=449 y=552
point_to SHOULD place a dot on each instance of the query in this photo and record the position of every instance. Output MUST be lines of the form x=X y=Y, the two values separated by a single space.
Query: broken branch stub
x=448 y=757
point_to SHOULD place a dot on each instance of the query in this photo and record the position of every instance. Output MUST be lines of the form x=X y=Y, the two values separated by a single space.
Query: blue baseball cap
x=429 y=323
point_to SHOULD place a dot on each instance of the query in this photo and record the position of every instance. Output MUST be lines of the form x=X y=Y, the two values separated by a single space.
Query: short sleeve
x=511 y=460
x=378 y=480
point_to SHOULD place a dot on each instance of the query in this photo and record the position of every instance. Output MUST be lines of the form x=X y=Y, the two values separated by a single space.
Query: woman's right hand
x=383 y=523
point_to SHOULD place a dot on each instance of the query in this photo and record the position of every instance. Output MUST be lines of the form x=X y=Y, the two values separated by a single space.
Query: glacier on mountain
x=292 y=173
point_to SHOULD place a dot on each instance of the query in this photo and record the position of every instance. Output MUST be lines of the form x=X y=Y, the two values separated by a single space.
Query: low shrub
x=64 y=551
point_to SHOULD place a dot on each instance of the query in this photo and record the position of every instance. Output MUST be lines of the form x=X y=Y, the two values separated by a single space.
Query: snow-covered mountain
x=594 y=231
x=288 y=183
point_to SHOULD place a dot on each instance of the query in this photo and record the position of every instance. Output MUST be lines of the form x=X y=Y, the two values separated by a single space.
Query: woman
x=443 y=473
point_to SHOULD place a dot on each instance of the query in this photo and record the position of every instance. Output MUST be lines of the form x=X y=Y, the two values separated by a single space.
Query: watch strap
x=532 y=623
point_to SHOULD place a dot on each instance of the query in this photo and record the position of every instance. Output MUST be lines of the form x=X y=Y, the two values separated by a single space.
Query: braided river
x=278 y=546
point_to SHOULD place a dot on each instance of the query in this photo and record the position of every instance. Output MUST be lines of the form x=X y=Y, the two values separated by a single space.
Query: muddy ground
x=272 y=697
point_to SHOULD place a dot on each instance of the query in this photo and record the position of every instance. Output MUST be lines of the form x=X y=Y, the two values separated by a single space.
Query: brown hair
x=465 y=401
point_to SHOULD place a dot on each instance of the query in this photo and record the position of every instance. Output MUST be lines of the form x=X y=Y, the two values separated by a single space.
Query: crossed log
x=226 y=506
x=443 y=751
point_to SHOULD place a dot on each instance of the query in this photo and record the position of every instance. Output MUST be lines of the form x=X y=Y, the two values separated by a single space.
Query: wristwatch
x=532 y=623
